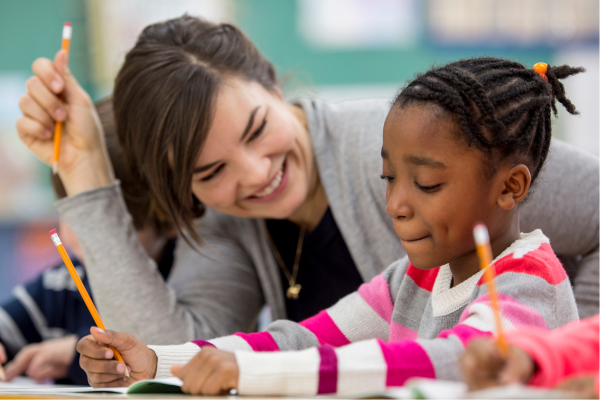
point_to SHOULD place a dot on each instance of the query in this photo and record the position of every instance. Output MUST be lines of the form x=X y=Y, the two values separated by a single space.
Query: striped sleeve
x=336 y=326
x=365 y=366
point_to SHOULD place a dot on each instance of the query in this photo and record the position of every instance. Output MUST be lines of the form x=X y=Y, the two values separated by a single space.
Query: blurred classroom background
x=333 y=49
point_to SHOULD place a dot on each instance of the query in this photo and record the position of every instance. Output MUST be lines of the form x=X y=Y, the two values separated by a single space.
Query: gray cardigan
x=222 y=289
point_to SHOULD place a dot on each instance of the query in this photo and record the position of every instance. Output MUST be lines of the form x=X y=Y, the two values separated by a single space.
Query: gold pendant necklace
x=293 y=291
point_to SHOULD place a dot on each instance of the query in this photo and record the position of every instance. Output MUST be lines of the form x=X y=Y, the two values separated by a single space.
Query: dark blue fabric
x=65 y=309
x=326 y=272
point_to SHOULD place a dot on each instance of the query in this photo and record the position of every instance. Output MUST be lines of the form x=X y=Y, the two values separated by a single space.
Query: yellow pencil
x=66 y=41
x=484 y=251
x=82 y=290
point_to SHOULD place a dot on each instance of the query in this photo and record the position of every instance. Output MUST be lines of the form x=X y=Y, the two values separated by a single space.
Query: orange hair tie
x=541 y=68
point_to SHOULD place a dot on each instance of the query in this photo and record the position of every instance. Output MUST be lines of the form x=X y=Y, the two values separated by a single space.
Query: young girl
x=462 y=143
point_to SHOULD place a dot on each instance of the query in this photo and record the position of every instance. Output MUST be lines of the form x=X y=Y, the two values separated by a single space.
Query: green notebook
x=166 y=385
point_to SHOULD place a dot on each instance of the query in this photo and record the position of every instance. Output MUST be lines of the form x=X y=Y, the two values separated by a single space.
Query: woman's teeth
x=271 y=188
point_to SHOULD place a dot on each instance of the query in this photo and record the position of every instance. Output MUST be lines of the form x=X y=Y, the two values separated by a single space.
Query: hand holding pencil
x=83 y=163
x=82 y=290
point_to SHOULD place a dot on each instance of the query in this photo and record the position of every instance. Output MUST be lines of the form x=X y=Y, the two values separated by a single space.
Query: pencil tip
x=127 y=373
x=55 y=168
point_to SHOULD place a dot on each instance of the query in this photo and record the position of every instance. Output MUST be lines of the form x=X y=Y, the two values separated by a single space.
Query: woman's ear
x=277 y=92
x=516 y=185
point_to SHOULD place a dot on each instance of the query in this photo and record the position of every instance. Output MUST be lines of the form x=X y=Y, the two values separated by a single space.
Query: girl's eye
x=427 y=189
x=213 y=174
x=388 y=178
x=258 y=132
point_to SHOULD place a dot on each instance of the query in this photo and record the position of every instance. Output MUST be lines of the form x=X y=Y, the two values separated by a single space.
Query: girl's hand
x=83 y=162
x=483 y=365
x=97 y=359
x=210 y=372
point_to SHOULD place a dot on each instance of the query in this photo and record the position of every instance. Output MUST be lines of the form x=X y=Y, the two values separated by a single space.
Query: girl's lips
x=414 y=240
x=284 y=181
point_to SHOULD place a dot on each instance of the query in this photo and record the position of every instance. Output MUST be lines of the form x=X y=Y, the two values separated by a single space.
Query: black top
x=326 y=272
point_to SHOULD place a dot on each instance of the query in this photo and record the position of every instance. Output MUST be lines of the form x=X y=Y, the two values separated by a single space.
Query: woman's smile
x=273 y=188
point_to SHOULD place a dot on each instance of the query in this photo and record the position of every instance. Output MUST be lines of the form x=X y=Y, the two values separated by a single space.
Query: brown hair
x=164 y=103
x=135 y=191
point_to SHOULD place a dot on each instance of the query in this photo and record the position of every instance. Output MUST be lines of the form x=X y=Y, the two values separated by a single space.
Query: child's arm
x=337 y=326
x=372 y=305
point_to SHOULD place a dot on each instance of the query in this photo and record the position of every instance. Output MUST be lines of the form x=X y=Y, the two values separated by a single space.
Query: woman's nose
x=255 y=170
x=398 y=205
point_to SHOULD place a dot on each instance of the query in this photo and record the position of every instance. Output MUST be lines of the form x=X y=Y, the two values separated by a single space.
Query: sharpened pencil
x=82 y=290
x=66 y=41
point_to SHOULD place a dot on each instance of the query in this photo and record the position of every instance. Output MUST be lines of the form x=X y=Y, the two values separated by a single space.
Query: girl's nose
x=398 y=206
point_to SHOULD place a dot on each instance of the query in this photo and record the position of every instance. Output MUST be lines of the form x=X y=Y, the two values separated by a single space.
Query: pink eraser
x=67 y=24
x=53 y=232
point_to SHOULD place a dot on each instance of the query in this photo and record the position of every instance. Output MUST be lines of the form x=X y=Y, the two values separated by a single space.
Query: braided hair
x=502 y=107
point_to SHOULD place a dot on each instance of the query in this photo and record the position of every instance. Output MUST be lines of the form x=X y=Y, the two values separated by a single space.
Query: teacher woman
x=290 y=204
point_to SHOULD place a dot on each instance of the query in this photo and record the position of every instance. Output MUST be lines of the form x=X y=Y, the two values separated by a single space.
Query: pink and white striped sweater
x=404 y=323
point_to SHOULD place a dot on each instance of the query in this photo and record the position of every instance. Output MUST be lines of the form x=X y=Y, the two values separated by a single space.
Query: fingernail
x=60 y=113
x=55 y=85
x=108 y=354
x=99 y=330
x=121 y=368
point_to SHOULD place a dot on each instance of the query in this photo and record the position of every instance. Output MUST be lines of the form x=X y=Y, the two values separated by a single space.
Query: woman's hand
x=483 y=365
x=50 y=359
x=83 y=162
x=97 y=359
x=210 y=372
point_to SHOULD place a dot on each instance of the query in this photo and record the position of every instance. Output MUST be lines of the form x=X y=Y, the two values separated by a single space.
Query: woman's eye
x=388 y=178
x=259 y=131
x=213 y=174
x=427 y=189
